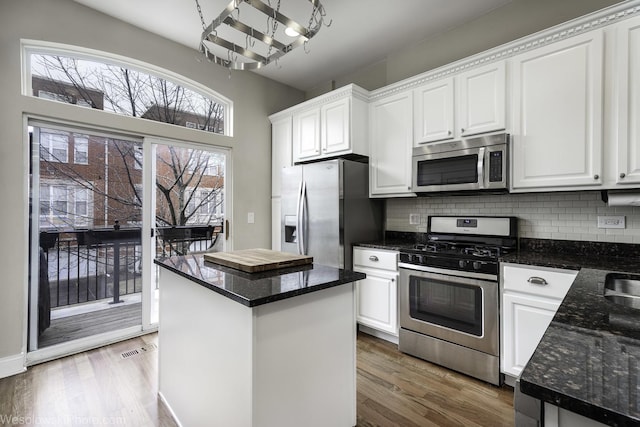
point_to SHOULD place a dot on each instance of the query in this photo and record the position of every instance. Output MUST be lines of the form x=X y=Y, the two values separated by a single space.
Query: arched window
x=123 y=86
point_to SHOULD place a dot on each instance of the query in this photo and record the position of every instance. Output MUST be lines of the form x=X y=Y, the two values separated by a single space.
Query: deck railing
x=104 y=263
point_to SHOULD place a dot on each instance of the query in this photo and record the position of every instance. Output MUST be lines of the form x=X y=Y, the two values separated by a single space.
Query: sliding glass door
x=86 y=239
x=92 y=195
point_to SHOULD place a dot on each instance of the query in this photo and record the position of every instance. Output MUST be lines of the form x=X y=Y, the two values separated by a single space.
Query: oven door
x=460 y=310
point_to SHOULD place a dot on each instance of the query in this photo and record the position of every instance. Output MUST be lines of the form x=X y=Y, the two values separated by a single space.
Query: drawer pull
x=373 y=258
x=537 y=281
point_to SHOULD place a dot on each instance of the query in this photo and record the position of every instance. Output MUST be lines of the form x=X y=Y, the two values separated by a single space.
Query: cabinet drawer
x=545 y=282
x=375 y=258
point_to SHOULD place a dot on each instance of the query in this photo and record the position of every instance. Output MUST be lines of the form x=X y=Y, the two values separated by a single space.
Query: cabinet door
x=557 y=108
x=306 y=134
x=391 y=143
x=335 y=127
x=434 y=112
x=525 y=319
x=376 y=302
x=628 y=54
x=280 y=152
x=481 y=106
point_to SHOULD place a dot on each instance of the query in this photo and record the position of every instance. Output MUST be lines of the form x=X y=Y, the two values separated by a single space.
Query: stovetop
x=464 y=244
x=456 y=256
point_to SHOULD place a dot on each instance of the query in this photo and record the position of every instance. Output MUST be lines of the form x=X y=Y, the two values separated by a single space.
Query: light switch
x=251 y=218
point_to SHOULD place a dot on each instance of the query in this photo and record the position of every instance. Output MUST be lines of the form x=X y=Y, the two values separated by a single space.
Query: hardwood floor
x=395 y=389
x=97 y=387
x=100 y=387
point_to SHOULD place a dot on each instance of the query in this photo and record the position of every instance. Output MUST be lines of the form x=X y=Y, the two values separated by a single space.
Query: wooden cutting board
x=256 y=260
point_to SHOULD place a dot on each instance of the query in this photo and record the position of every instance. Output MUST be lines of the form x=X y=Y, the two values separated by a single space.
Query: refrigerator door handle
x=301 y=219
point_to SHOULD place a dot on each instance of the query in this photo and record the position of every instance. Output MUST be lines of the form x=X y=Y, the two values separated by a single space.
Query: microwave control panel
x=495 y=166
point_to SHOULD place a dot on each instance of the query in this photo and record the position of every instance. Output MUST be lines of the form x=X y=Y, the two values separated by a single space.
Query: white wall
x=64 y=21
x=566 y=216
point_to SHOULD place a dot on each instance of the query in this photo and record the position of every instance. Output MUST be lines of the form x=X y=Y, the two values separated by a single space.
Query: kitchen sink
x=623 y=289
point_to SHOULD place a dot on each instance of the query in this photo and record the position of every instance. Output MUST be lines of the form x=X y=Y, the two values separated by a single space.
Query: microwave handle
x=480 y=166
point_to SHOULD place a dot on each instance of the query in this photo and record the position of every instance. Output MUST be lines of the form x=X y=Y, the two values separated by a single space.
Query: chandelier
x=263 y=35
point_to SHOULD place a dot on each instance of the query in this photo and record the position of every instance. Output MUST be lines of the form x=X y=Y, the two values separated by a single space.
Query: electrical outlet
x=414 y=219
x=611 y=221
x=251 y=218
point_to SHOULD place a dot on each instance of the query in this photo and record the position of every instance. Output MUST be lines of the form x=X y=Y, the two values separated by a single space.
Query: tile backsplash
x=563 y=216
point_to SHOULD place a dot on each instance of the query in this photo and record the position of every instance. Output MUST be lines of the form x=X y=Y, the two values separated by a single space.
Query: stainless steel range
x=448 y=292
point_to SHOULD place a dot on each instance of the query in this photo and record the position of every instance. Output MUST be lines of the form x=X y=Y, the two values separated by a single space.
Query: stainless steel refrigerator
x=326 y=209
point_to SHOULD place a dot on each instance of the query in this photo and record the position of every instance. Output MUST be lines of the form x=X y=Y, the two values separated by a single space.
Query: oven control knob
x=477 y=265
x=416 y=258
x=463 y=263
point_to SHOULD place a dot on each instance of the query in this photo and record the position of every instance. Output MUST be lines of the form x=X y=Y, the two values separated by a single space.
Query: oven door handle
x=480 y=167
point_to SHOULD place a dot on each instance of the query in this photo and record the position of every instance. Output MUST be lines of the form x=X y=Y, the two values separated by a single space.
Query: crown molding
x=593 y=21
x=350 y=90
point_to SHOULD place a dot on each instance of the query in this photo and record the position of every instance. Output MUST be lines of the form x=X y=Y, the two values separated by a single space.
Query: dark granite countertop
x=588 y=360
x=253 y=289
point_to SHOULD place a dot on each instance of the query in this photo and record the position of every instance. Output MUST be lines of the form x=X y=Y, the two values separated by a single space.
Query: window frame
x=29 y=47
x=76 y=144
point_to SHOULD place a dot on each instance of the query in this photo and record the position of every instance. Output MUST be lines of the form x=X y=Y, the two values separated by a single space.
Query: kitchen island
x=276 y=348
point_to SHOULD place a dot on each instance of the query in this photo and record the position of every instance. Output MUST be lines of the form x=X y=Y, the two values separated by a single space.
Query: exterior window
x=137 y=155
x=81 y=199
x=54 y=147
x=58 y=201
x=64 y=205
x=114 y=87
x=208 y=202
x=81 y=150
x=204 y=163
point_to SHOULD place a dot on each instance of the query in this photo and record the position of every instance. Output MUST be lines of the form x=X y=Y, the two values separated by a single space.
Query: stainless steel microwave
x=470 y=164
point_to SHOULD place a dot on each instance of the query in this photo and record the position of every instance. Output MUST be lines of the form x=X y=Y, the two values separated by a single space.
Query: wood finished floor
x=99 y=387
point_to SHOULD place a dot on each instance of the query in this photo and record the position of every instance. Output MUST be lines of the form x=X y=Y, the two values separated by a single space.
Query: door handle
x=226 y=229
x=537 y=281
x=302 y=234
x=480 y=167
x=299 y=218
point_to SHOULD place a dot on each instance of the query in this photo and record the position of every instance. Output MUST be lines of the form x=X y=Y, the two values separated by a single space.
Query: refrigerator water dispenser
x=290 y=229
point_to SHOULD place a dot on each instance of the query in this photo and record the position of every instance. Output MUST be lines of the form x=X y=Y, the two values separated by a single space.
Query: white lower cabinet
x=376 y=296
x=531 y=296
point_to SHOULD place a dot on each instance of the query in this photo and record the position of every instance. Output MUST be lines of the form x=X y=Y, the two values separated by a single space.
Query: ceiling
x=362 y=32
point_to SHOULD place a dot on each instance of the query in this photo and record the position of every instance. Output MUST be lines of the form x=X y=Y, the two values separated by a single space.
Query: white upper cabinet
x=306 y=134
x=335 y=127
x=331 y=125
x=557 y=94
x=468 y=104
x=391 y=146
x=628 y=91
x=434 y=111
x=481 y=106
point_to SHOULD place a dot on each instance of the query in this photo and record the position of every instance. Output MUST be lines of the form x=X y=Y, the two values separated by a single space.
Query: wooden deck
x=87 y=324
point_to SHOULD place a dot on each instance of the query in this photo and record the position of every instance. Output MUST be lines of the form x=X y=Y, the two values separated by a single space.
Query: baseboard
x=169 y=408
x=378 y=334
x=12 y=365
